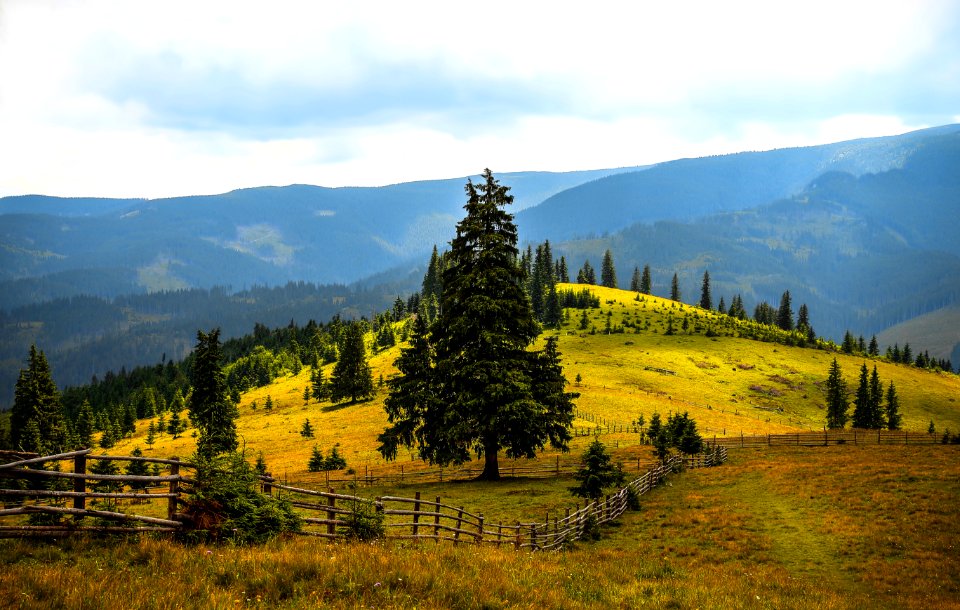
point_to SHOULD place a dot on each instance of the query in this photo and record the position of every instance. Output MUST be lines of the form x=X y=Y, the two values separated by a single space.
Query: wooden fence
x=327 y=513
x=425 y=519
x=43 y=487
x=826 y=438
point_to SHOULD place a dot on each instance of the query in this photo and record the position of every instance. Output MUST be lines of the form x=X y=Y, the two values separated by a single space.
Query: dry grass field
x=840 y=527
x=780 y=527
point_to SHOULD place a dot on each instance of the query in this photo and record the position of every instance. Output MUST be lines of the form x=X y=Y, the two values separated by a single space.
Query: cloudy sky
x=152 y=99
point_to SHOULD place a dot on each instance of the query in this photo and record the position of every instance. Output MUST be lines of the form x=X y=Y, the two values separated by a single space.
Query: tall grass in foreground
x=838 y=527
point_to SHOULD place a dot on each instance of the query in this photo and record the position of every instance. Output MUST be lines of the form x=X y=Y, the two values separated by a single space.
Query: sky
x=165 y=98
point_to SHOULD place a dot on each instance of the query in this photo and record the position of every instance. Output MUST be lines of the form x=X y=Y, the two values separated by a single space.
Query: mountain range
x=863 y=232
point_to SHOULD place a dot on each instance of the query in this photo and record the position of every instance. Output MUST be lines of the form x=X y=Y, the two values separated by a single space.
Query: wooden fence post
x=80 y=485
x=480 y=528
x=266 y=487
x=416 y=514
x=331 y=514
x=456 y=534
x=516 y=542
x=436 y=520
x=174 y=489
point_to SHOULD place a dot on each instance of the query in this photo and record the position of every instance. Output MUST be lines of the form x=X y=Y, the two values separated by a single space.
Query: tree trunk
x=491 y=465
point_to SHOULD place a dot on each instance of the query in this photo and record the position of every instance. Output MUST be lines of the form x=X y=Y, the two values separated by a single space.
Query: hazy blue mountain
x=55 y=248
x=687 y=189
x=865 y=253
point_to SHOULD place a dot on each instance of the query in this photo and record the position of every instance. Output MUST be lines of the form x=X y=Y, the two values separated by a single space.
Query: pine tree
x=481 y=392
x=874 y=348
x=893 y=408
x=176 y=426
x=906 y=356
x=586 y=275
x=562 y=274
x=260 y=467
x=837 y=401
x=553 y=312
x=597 y=472
x=37 y=399
x=849 y=343
x=706 y=300
x=862 y=417
x=268 y=403
x=138 y=469
x=151 y=435
x=306 y=431
x=352 y=377
x=306 y=394
x=432 y=282
x=674 y=288
x=211 y=410
x=608 y=273
x=84 y=425
x=645 y=282
x=635 y=280
x=320 y=386
x=876 y=402
x=785 y=312
x=316 y=462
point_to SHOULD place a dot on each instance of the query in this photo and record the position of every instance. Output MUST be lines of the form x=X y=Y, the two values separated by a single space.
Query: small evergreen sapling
x=597 y=472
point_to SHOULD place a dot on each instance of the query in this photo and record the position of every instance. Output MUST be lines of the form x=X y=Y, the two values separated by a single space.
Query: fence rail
x=826 y=438
x=423 y=519
x=40 y=486
x=328 y=513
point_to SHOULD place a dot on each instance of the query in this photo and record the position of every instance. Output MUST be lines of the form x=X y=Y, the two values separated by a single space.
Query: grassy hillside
x=835 y=528
x=728 y=385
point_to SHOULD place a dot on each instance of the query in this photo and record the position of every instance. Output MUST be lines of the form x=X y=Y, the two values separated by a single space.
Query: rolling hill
x=728 y=383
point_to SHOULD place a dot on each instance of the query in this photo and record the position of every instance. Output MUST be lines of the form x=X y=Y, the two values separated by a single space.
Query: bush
x=227 y=505
x=363 y=522
x=591 y=528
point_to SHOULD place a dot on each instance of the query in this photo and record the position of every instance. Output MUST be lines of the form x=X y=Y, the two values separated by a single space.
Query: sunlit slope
x=728 y=385
x=726 y=382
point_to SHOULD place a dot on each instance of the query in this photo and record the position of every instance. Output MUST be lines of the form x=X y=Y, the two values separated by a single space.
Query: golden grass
x=728 y=385
x=839 y=527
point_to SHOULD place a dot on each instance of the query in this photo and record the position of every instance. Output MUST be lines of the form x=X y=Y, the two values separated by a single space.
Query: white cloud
x=112 y=98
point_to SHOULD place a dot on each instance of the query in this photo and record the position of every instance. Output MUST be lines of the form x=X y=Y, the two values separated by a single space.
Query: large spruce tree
x=674 y=288
x=469 y=384
x=645 y=281
x=862 y=416
x=36 y=399
x=785 y=312
x=837 y=400
x=706 y=300
x=211 y=409
x=352 y=377
x=608 y=273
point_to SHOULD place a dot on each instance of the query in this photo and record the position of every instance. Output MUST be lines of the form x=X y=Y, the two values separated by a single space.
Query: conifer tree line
x=874 y=407
x=857 y=346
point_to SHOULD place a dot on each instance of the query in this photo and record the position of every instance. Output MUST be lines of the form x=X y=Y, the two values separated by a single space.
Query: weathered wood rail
x=326 y=514
x=425 y=519
x=826 y=438
x=33 y=495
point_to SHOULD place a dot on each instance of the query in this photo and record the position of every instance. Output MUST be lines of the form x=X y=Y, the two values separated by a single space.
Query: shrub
x=633 y=498
x=591 y=528
x=363 y=522
x=226 y=504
